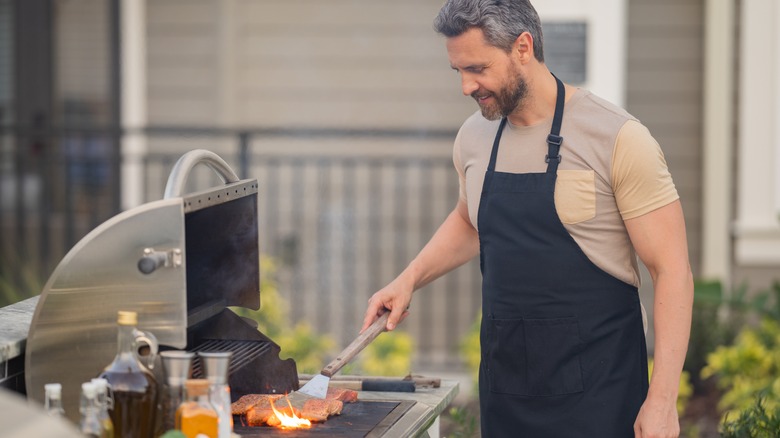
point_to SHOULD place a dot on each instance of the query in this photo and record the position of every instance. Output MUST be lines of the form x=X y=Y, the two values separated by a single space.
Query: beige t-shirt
x=611 y=170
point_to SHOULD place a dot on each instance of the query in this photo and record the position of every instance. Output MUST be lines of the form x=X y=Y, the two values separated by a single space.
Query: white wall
x=606 y=23
x=757 y=228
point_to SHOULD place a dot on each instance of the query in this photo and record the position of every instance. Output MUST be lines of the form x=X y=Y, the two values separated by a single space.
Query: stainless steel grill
x=178 y=262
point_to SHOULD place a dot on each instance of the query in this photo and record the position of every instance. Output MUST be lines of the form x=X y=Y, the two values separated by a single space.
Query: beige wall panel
x=182 y=45
x=181 y=77
x=182 y=50
x=659 y=15
x=660 y=113
x=677 y=82
x=366 y=46
x=665 y=48
x=181 y=110
x=349 y=13
x=180 y=13
x=336 y=80
x=81 y=40
x=371 y=113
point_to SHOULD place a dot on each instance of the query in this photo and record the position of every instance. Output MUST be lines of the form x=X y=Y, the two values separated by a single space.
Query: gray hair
x=502 y=21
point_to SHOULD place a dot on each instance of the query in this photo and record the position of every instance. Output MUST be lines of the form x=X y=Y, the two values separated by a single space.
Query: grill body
x=178 y=262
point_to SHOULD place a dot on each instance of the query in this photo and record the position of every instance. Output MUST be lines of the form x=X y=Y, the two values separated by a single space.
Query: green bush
x=755 y=422
x=18 y=280
x=749 y=367
x=390 y=354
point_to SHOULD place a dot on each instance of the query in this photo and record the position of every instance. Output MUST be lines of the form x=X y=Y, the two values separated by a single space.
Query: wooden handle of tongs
x=357 y=345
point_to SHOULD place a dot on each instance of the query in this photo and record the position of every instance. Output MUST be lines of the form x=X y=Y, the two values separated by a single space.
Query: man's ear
x=524 y=47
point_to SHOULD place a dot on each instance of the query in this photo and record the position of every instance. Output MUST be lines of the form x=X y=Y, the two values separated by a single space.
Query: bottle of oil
x=197 y=417
x=133 y=386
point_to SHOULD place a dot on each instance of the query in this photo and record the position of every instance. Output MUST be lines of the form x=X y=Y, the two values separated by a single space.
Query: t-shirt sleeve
x=640 y=178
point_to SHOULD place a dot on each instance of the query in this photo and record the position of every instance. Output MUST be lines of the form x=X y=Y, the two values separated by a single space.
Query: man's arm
x=454 y=243
x=660 y=241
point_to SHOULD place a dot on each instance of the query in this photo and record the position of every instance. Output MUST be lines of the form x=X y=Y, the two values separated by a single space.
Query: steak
x=258 y=412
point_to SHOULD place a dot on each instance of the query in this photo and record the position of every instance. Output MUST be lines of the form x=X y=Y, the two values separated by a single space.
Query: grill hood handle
x=181 y=170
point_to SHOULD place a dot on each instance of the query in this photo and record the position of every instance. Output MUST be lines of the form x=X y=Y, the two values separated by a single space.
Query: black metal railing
x=338 y=226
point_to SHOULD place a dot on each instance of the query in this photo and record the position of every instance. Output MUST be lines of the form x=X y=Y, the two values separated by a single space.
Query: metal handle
x=153 y=259
x=146 y=338
x=181 y=170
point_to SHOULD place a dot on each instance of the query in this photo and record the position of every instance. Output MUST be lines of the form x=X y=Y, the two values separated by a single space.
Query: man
x=560 y=191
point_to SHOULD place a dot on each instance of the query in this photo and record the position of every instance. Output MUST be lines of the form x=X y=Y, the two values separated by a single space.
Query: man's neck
x=539 y=103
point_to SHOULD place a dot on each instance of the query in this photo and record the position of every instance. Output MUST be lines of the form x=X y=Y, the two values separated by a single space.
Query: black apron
x=563 y=344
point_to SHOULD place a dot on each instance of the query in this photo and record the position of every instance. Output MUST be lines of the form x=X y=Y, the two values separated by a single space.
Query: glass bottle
x=90 y=423
x=133 y=386
x=104 y=402
x=216 y=366
x=176 y=367
x=197 y=415
x=53 y=399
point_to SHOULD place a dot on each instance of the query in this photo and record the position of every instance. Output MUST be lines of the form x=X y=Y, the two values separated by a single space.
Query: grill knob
x=151 y=261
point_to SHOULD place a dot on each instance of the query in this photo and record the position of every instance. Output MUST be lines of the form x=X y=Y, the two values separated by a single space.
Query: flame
x=290 y=421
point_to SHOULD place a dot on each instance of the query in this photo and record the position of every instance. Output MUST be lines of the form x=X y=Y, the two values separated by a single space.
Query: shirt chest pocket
x=575 y=195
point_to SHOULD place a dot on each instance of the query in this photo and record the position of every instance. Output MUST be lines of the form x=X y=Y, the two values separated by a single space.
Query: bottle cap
x=53 y=390
x=101 y=385
x=127 y=318
x=196 y=387
x=88 y=389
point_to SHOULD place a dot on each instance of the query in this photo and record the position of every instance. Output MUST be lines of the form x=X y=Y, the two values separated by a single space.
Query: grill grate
x=244 y=352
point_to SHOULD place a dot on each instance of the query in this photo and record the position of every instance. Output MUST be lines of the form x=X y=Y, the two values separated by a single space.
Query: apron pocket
x=535 y=357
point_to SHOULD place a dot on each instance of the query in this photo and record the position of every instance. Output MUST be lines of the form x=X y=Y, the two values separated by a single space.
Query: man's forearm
x=454 y=243
x=672 y=319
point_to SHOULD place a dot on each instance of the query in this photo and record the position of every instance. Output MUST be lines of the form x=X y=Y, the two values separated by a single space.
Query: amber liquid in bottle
x=197 y=416
x=133 y=387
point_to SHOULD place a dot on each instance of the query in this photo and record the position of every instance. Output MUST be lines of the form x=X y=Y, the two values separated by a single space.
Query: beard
x=508 y=98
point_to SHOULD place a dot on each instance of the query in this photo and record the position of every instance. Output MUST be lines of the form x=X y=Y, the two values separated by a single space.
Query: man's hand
x=657 y=419
x=394 y=297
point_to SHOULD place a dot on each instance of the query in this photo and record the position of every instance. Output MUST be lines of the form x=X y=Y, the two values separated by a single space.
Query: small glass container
x=90 y=412
x=216 y=366
x=53 y=399
x=197 y=415
x=176 y=367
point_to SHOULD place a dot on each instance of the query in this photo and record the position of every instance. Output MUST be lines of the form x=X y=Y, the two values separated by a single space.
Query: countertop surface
x=429 y=404
x=15 y=323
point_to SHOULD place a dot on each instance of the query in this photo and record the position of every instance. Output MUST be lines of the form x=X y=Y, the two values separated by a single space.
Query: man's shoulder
x=594 y=104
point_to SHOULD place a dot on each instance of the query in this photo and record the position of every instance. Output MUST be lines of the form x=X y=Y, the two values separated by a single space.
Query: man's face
x=488 y=74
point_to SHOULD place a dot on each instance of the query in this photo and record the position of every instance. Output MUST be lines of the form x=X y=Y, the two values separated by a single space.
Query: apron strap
x=554 y=140
x=494 y=153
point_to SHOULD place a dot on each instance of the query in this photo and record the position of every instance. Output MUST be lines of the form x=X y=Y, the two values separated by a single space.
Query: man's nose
x=468 y=85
